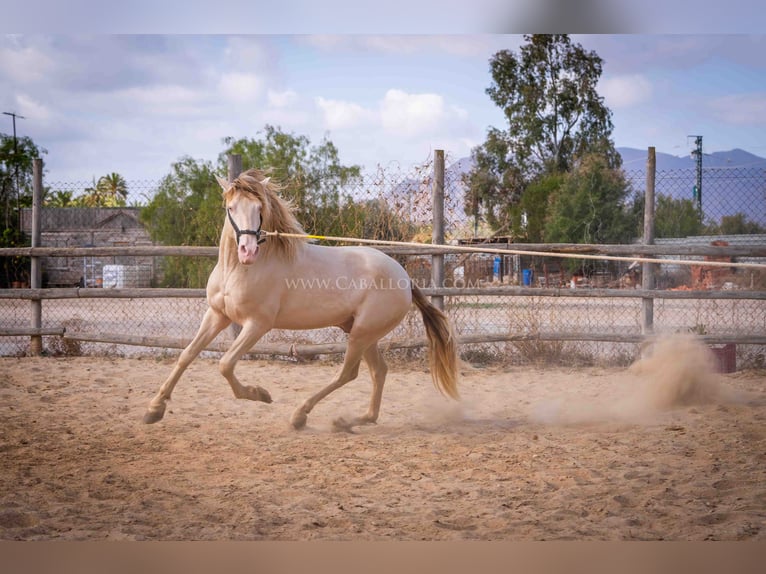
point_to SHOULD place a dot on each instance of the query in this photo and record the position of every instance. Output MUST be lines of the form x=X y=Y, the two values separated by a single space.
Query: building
x=92 y=227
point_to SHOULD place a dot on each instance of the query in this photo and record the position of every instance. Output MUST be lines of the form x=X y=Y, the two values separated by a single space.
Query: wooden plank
x=31 y=331
x=132 y=250
x=626 y=250
x=456 y=292
x=595 y=293
x=98 y=293
x=308 y=350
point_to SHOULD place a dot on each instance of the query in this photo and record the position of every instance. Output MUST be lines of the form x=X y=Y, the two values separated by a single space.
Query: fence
x=513 y=307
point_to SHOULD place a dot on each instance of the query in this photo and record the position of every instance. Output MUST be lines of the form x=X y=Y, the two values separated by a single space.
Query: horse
x=264 y=280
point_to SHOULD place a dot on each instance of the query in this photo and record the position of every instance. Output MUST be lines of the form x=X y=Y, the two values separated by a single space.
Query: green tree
x=61 y=198
x=15 y=192
x=186 y=210
x=110 y=191
x=374 y=219
x=187 y=207
x=530 y=214
x=739 y=224
x=591 y=206
x=16 y=175
x=493 y=184
x=554 y=115
x=676 y=217
x=113 y=189
x=313 y=175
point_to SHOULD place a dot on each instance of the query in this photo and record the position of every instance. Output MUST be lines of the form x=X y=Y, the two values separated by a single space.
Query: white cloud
x=417 y=114
x=281 y=99
x=23 y=64
x=741 y=109
x=240 y=87
x=477 y=45
x=625 y=91
x=338 y=115
x=30 y=108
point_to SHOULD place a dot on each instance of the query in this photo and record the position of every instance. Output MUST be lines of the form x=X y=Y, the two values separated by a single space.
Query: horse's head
x=244 y=212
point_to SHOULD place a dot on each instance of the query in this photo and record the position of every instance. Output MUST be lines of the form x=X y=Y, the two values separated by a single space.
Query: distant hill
x=635 y=159
x=733 y=181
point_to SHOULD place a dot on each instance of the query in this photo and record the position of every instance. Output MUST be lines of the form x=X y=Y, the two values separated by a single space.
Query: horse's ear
x=265 y=181
x=224 y=183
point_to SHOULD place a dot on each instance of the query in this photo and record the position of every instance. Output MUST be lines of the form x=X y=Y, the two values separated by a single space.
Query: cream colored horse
x=286 y=283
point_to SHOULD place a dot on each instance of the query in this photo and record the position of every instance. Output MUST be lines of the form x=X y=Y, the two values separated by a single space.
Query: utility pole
x=697 y=155
x=15 y=156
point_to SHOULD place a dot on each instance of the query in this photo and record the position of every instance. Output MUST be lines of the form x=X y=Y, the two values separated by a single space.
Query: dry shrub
x=62 y=347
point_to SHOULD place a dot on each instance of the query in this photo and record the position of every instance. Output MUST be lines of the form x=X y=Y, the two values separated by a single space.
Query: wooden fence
x=647 y=293
x=37 y=295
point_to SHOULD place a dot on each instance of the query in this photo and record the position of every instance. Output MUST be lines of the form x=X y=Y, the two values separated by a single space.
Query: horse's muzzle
x=247 y=251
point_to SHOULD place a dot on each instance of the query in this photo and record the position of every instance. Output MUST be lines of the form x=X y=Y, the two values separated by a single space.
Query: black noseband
x=241 y=232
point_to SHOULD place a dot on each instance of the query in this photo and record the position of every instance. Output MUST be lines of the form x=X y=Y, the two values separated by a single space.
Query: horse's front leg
x=248 y=337
x=212 y=323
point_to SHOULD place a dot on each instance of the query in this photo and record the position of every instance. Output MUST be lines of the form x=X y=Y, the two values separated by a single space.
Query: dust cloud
x=676 y=371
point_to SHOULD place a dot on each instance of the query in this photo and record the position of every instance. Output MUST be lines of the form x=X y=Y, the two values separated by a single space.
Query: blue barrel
x=496 y=267
x=527 y=277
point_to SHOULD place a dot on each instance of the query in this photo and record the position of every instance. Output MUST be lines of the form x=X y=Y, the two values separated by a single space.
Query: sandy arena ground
x=664 y=451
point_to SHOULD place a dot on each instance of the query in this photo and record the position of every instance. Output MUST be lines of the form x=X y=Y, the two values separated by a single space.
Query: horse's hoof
x=262 y=395
x=298 y=420
x=342 y=425
x=152 y=416
x=255 y=394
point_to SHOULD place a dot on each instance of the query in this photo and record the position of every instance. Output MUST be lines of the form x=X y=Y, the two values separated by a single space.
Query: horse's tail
x=442 y=345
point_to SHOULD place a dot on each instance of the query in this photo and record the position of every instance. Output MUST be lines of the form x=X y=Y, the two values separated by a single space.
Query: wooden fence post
x=35 y=276
x=437 y=260
x=235 y=166
x=647 y=269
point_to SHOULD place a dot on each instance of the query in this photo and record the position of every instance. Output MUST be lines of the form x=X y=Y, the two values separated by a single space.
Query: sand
x=529 y=454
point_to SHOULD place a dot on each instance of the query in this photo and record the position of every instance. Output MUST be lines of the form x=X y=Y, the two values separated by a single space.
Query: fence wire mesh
x=729 y=206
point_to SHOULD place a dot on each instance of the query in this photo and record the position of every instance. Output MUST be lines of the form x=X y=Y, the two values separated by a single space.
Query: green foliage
x=317 y=185
x=554 y=116
x=16 y=175
x=373 y=219
x=186 y=210
x=549 y=97
x=591 y=206
x=738 y=224
x=15 y=192
x=60 y=198
x=494 y=183
x=676 y=217
x=313 y=175
x=531 y=213
x=13 y=268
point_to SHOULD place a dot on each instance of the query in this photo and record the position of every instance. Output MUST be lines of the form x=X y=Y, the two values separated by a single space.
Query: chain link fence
x=729 y=207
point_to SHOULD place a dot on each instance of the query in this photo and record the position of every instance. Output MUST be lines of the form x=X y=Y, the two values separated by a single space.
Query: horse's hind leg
x=347 y=373
x=212 y=324
x=378 y=371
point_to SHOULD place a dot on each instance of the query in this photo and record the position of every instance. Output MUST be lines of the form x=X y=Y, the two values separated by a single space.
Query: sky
x=136 y=103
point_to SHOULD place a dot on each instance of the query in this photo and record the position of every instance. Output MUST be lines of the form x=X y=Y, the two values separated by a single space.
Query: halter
x=240 y=232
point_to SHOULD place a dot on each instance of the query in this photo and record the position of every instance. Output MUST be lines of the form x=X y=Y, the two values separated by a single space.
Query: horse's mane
x=276 y=212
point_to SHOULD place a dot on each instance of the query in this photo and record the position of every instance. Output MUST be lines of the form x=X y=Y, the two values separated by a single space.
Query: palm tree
x=61 y=198
x=113 y=190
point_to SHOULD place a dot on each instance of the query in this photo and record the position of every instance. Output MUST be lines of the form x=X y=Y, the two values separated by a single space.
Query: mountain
x=733 y=181
x=634 y=159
